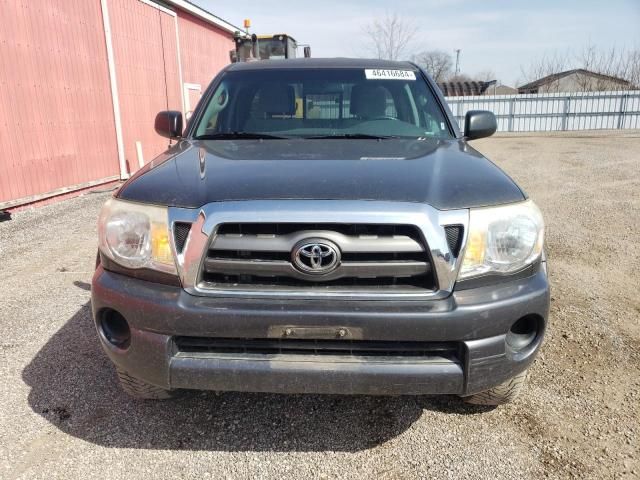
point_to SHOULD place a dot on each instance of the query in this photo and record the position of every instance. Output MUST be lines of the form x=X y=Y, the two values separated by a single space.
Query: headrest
x=368 y=101
x=276 y=99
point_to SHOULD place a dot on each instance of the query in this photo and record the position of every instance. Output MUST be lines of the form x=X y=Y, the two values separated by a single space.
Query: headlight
x=136 y=236
x=502 y=239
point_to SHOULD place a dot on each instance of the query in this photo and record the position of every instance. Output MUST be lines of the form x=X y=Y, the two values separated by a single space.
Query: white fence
x=555 y=111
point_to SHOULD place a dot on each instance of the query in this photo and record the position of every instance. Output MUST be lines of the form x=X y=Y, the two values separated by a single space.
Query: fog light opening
x=115 y=329
x=523 y=333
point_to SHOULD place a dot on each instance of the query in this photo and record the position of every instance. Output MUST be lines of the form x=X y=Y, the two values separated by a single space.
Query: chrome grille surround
x=428 y=220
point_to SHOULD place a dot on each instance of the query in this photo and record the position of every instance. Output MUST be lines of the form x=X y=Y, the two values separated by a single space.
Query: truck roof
x=321 y=63
x=266 y=36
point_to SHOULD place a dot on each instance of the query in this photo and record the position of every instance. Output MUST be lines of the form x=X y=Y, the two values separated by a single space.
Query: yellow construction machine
x=264 y=47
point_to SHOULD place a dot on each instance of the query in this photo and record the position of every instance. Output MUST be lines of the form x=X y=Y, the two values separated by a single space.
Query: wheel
x=504 y=393
x=140 y=389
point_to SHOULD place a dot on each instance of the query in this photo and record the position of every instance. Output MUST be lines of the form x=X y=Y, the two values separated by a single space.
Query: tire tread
x=140 y=389
x=504 y=393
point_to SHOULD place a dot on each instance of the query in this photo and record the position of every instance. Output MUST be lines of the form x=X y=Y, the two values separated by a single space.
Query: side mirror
x=479 y=124
x=169 y=124
x=307 y=52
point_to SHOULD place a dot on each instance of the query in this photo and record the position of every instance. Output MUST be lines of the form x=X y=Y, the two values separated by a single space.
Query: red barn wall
x=204 y=51
x=56 y=115
x=146 y=59
x=57 y=124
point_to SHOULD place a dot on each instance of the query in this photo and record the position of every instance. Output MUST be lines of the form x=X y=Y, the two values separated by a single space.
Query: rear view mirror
x=169 y=124
x=479 y=124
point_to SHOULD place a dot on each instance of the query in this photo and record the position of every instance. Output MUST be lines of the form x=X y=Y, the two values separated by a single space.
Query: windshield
x=323 y=103
x=272 y=49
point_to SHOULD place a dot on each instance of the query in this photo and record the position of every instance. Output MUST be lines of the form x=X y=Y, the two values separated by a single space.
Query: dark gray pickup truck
x=322 y=226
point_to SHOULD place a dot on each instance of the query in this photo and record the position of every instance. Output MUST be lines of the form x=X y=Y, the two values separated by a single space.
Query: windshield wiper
x=351 y=135
x=240 y=135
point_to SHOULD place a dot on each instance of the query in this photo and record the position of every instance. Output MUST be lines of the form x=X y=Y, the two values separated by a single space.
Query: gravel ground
x=62 y=414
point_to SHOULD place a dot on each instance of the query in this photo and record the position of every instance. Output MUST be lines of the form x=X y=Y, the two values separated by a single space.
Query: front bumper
x=477 y=320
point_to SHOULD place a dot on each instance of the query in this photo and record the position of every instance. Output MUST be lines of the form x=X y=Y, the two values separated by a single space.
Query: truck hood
x=446 y=174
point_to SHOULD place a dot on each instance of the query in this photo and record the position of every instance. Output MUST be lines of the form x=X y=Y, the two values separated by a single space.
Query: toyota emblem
x=316 y=256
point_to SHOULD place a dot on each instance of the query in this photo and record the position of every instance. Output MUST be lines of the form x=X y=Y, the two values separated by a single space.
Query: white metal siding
x=555 y=111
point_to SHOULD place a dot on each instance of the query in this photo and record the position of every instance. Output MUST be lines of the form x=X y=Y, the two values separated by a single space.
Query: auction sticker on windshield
x=380 y=74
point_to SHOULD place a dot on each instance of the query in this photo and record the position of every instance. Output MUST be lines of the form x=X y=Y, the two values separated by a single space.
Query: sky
x=503 y=36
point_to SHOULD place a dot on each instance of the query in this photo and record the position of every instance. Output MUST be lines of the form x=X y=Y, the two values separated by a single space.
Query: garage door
x=146 y=60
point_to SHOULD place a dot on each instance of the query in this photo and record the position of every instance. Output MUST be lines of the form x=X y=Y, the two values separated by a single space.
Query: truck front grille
x=371 y=258
x=180 y=234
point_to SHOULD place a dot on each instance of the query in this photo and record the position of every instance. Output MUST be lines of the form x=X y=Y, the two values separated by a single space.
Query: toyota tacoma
x=322 y=226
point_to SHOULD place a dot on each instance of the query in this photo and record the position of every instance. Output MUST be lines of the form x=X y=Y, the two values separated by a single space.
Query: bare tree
x=546 y=66
x=633 y=73
x=461 y=77
x=485 y=75
x=437 y=63
x=613 y=62
x=389 y=37
x=594 y=60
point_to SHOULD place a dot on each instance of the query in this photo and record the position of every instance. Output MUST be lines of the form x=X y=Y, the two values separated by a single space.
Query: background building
x=82 y=80
x=577 y=80
x=464 y=88
x=500 y=89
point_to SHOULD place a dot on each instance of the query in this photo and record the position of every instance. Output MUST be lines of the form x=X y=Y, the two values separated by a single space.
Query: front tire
x=140 y=389
x=504 y=393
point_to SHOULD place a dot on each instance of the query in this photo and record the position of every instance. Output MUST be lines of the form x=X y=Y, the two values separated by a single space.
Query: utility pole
x=457 y=71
